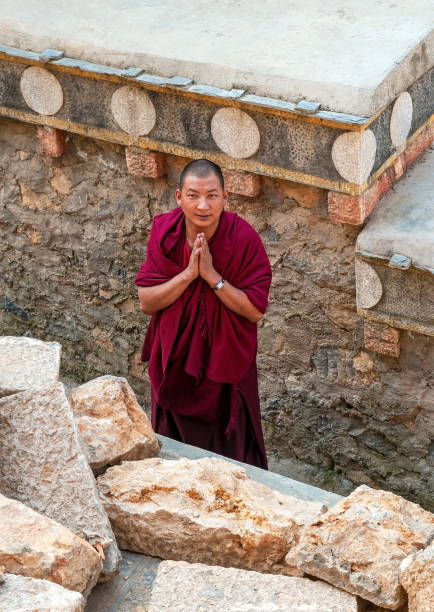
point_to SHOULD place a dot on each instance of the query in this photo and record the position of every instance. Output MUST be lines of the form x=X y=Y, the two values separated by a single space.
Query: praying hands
x=206 y=268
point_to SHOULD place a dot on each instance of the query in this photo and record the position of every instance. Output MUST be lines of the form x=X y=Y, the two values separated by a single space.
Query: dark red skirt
x=242 y=440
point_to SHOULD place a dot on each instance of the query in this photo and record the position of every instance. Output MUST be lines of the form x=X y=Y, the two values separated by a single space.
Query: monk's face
x=202 y=201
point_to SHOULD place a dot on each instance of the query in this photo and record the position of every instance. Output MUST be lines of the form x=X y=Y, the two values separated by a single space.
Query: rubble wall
x=73 y=234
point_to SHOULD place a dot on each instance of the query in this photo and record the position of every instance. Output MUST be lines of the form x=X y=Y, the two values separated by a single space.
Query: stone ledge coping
x=401 y=228
x=296 y=53
x=186 y=86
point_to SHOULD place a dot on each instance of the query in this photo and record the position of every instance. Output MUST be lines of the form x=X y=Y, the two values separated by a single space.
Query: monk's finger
x=193 y=257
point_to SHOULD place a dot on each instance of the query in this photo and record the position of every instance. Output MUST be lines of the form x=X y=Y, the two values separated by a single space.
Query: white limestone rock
x=185 y=587
x=43 y=465
x=22 y=594
x=36 y=546
x=417 y=578
x=112 y=424
x=206 y=510
x=360 y=543
x=27 y=363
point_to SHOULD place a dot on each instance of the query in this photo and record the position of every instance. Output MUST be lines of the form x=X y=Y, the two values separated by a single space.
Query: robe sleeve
x=250 y=269
x=158 y=267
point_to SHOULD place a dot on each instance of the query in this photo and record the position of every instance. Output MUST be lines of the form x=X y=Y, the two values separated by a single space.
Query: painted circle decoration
x=133 y=110
x=400 y=121
x=235 y=133
x=353 y=155
x=368 y=285
x=41 y=90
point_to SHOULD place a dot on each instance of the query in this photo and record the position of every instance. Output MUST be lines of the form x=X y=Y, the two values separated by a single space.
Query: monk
x=205 y=282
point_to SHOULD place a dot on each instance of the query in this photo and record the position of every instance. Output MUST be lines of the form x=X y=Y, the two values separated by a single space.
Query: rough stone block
x=27 y=363
x=354 y=210
x=43 y=465
x=195 y=587
x=383 y=348
x=418 y=145
x=21 y=594
x=36 y=546
x=145 y=163
x=51 y=141
x=382 y=339
x=112 y=425
x=242 y=183
x=360 y=543
x=205 y=511
x=417 y=578
x=306 y=196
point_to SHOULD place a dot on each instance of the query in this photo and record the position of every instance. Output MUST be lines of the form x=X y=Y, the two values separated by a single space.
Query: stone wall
x=73 y=233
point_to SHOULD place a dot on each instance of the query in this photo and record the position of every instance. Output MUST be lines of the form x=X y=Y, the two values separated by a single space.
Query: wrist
x=213 y=278
x=186 y=276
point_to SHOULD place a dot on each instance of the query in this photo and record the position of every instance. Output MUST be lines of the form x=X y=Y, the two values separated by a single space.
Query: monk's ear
x=225 y=197
x=178 y=197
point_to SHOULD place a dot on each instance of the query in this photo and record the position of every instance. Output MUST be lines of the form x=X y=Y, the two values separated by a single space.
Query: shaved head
x=201 y=168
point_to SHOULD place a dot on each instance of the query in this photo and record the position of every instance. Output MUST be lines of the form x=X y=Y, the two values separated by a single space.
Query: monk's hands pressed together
x=206 y=268
x=192 y=270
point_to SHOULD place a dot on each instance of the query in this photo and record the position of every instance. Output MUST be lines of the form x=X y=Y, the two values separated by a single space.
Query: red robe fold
x=202 y=356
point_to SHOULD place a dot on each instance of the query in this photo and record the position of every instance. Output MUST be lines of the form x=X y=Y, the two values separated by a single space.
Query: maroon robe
x=202 y=356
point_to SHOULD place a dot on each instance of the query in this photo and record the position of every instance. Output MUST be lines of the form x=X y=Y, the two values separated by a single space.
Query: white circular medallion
x=353 y=154
x=400 y=121
x=368 y=285
x=133 y=110
x=235 y=133
x=41 y=90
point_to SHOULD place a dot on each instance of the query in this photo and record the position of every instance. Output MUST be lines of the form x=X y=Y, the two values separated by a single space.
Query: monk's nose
x=203 y=205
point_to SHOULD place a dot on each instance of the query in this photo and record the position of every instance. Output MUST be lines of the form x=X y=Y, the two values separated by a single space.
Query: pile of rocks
x=229 y=542
x=372 y=548
x=53 y=526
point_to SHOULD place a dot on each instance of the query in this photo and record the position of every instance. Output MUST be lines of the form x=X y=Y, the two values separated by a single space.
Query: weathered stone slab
x=27 y=363
x=417 y=578
x=359 y=544
x=43 y=465
x=112 y=424
x=186 y=587
x=205 y=511
x=384 y=58
x=22 y=594
x=36 y=546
